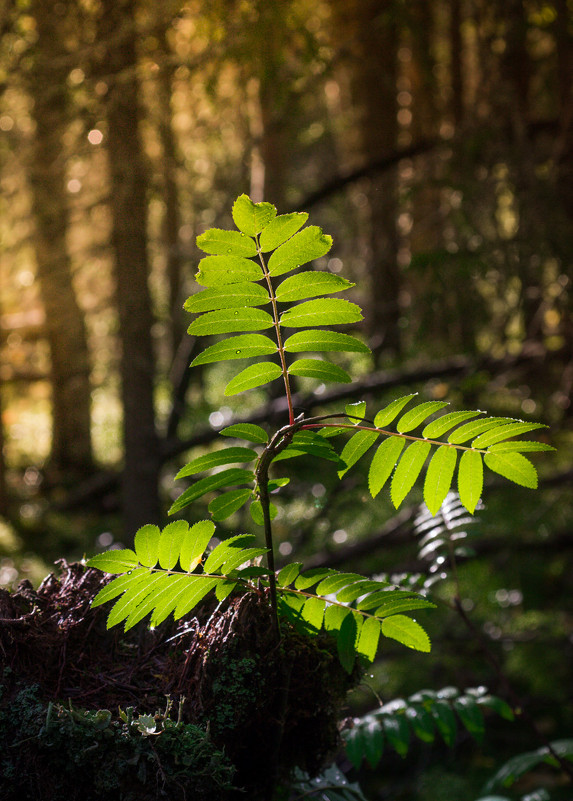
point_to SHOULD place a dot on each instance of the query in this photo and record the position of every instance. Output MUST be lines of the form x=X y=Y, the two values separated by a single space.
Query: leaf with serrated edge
x=439 y=477
x=248 y=431
x=228 y=321
x=470 y=479
x=311 y=577
x=407 y=472
x=416 y=416
x=308 y=244
x=319 y=369
x=355 y=410
x=244 y=346
x=406 y=605
x=116 y=561
x=504 y=432
x=256 y=375
x=336 y=581
x=170 y=543
x=251 y=218
x=225 y=549
x=119 y=585
x=520 y=445
x=216 y=459
x=214 y=271
x=236 y=559
x=225 y=505
x=324 y=341
x=313 y=612
x=288 y=574
x=325 y=311
x=390 y=412
x=310 y=285
x=161 y=590
x=383 y=463
x=280 y=229
x=470 y=430
x=130 y=599
x=406 y=631
x=355 y=448
x=194 y=544
x=438 y=427
x=218 y=242
x=227 y=297
x=147 y=544
x=514 y=467
x=368 y=640
x=226 y=478
x=178 y=589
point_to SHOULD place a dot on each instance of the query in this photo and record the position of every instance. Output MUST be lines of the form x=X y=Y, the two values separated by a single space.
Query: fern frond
x=444 y=534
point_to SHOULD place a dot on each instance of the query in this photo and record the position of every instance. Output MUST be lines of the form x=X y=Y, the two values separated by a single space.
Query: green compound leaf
x=320 y=341
x=131 y=598
x=225 y=478
x=248 y=431
x=415 y=417
x=355 y=410
x=326 y=311
x=226 y=243
x=225 y=550
x=438 y=427
x=397 y=732
x=471 y=430
x=256 y=375
x=281 y=229
x=520 y=445
x=117 y=561
x=214 y=271
x=407 y=472
x=288 y=574
x=513 y=466
x=216 y=459
x=390 y=412
x=170 y=543
x=225 y=505
x=446 y=721
x=147 y=545
x=346 y=642
x=383 y=463
x=406 y=631
x=244 y=346
x=251 y=218
x=227 y=321
x=310 y=285
x=367 y=645
x=120 y=584
x=194 y=543
x=257 y=514
x=313 y=612
x=320 y=369
x=504 y=432
x=233 y=296
x=355 y=448
x=471 y=716
x=308 y=244
x=470 y=479
x=439 y=477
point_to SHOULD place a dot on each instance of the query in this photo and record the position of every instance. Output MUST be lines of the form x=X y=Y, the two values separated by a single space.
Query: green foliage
x=516 y=767
x=423 y=715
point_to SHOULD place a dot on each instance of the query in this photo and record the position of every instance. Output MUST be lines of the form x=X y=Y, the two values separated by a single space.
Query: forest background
x=434 y=140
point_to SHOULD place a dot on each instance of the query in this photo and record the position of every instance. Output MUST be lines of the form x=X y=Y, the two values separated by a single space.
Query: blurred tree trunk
x=71 y=451
x=117 y=33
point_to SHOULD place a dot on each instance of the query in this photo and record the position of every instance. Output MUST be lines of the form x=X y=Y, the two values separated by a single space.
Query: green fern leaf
x=471 y=430
x=147 y=545
x=438 y=427
x=214 y=271
x=310 y=285
x=244 y=346
x=256 y=375
x=326 y=311
x=227 y=504
x=194 y=544
x=383 y=463
x=228 y=321
x=227 y=297
x=406 y=631
x=415 y=417
x=390 y=412
x=470 y=479
x=226 y=243
x=319 y=369
x=248 y=431
x=504 y=432
x=407 y=471
x=216 y=459
x=324 y=341
x=251 y=218
x=308 y=244
x=439 y=477
x=280 y=229
x=355 y=448
x=226 y=478
x=513 y=466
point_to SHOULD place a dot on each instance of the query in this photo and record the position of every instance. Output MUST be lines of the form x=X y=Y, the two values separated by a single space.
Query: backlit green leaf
x=310 y=285
x=355 y=410
x=253 y=376
x=251 y=218
x=470 y=479
x=313 y=612
x=346 y=641
x=320 y=369
x=355 y=448
x=513 y=466
x=334 y=583
x=406 y=631
x=226 y=243
x=383 y=463
x=244 y=346
x=170 y=543
x=215 y=271
x=438 y=427
x=115 y=561
x=248 y=431
x=131 y=598
x=225 y=549
x=325 y=311
x=408 y=470
x=390 y=412
x=288 y=574
x=504 y=432
x=216 y=459
x=194 y=544
x=520 y=445
x=225 y=505
x=147 y=545
x=323 y=341
x=241 y=556
x=227 y=321
x=281 y=229
x=226 y=478
x=439 y=477
x=190 y=595
x=308 y=244
x=162 y=589
x=232 y=296
x=396 y=606
x=368 y=640
x=257 y=514
x=415 y=417
x=120 y=584
x=471 y=430
x=178 y=586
